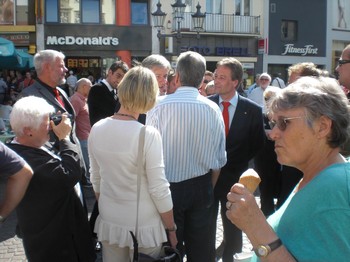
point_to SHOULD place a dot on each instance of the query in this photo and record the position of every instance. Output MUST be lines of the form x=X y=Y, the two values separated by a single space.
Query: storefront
x=91 y=49
x=214 y=48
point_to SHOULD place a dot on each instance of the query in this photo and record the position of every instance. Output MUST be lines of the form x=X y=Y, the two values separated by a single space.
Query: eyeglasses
x=282 y=123
x=343 y=62
x=205 y=81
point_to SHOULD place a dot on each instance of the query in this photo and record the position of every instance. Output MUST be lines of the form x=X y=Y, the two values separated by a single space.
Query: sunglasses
x=282 y=123
x=343 y=62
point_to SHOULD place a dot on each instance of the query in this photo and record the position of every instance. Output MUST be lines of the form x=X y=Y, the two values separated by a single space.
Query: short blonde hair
x=138 y=90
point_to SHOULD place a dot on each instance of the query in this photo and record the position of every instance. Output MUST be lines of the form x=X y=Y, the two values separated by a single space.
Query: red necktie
x=58 y=97
x=225 y=115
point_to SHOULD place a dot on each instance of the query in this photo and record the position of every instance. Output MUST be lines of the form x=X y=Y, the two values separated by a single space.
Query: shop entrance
x=85 y=66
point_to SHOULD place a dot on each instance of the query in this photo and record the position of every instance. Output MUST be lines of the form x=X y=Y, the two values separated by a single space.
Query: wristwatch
x=265 y=250
x=2 y=219
x=174 y=228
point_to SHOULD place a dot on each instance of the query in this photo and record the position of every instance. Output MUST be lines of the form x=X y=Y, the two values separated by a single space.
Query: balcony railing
x=225 y=24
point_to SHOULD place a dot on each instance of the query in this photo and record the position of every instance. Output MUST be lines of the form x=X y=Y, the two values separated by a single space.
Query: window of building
x=14 y=12
x=21 y=12
x=80 y=11
x=289 y=30
x=90 y=11
x=242 y=7
x=214 y=6
x=139 y=10
x=51 y=11
x=108 y=15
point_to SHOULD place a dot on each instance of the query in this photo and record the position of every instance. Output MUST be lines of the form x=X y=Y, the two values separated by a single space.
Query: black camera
x=56 y=118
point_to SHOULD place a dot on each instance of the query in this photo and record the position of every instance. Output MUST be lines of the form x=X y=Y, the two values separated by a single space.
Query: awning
x=6 y=47
x=12 y=58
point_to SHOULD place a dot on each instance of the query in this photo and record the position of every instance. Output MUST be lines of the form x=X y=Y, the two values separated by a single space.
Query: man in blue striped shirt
x=193 y=134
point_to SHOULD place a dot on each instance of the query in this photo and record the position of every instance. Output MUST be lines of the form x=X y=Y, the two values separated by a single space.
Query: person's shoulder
x=248 y=102
x=214 y=98
x=32 y=88
x=98 y=89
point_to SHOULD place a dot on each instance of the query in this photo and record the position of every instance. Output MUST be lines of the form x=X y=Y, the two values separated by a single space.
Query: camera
x=56 y=118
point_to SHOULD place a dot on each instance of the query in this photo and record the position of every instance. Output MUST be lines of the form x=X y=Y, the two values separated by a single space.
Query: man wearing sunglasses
x=343 y=68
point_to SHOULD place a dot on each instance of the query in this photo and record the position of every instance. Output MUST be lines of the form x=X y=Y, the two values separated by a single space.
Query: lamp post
x=178 y=16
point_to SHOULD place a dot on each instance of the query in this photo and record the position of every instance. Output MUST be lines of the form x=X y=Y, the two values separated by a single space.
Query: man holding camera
x=51 y=72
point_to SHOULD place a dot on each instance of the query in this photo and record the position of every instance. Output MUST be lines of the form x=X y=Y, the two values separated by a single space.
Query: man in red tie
x=51 y=72
x=244 y=138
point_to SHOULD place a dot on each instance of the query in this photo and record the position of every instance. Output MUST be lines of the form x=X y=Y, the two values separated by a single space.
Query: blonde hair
x=138 y=90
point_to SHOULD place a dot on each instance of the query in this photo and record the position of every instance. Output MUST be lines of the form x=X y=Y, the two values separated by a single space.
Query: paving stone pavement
x=11 y=248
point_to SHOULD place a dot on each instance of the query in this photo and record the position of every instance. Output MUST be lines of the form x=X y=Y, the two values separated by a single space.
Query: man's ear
x=177 y=80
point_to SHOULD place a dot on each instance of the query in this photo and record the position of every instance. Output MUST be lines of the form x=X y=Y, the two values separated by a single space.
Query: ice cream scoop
x=250 y=179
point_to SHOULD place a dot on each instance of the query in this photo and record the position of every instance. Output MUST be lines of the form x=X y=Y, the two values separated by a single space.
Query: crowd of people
x=201 y=131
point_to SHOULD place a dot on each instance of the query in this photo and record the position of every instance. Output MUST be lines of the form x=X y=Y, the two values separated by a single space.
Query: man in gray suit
x=51 y=72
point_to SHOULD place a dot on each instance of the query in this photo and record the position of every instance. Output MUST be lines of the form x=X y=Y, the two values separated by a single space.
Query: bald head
x=83 y=86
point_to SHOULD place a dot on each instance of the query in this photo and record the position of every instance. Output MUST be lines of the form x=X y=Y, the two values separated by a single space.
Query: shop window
x=289 y=30
x=139 y=12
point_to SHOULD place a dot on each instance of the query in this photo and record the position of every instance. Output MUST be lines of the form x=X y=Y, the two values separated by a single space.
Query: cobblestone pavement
x=11 y=248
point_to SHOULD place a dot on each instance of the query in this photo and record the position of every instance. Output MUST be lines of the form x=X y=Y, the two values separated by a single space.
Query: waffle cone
x=250 y=179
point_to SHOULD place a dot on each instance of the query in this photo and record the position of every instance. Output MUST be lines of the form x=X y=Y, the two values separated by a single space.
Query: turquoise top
x=314 y=223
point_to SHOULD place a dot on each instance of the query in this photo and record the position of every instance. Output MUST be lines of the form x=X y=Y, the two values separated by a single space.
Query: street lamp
x=178 y=16
x=198 y=20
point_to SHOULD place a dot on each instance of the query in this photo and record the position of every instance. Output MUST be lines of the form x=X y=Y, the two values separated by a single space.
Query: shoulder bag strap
x=139 y=171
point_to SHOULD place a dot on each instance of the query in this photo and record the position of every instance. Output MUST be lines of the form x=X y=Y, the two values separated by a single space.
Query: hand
x=172 y=238
x=243 y=210
x=63 y=129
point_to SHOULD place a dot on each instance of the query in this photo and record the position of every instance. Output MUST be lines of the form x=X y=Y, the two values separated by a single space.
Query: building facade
x=303 y=31
x=265 y=35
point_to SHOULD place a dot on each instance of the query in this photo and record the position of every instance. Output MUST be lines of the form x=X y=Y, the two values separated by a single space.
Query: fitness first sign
x=307 y=50
x=82 y=41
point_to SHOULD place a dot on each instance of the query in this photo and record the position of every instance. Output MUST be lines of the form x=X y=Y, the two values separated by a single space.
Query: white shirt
x=193 y=134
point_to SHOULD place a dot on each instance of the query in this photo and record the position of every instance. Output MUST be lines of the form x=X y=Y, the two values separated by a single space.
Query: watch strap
x=265 y=250
x=275 y=244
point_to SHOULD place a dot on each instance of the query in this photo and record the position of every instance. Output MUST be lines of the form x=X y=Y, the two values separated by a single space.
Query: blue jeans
x=84 y=150
x=193 y=211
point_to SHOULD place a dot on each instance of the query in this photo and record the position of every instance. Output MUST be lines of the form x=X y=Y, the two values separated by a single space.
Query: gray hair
x=30 y=112
x=320 y=96
x=81 y=82
x=46 y=56
x=156 y=61
x=191 y=67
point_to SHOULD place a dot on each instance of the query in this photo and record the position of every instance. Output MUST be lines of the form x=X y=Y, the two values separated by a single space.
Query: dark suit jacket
x=244 y=140
x=51 y=219
x=101 y=103
x=38 y=90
